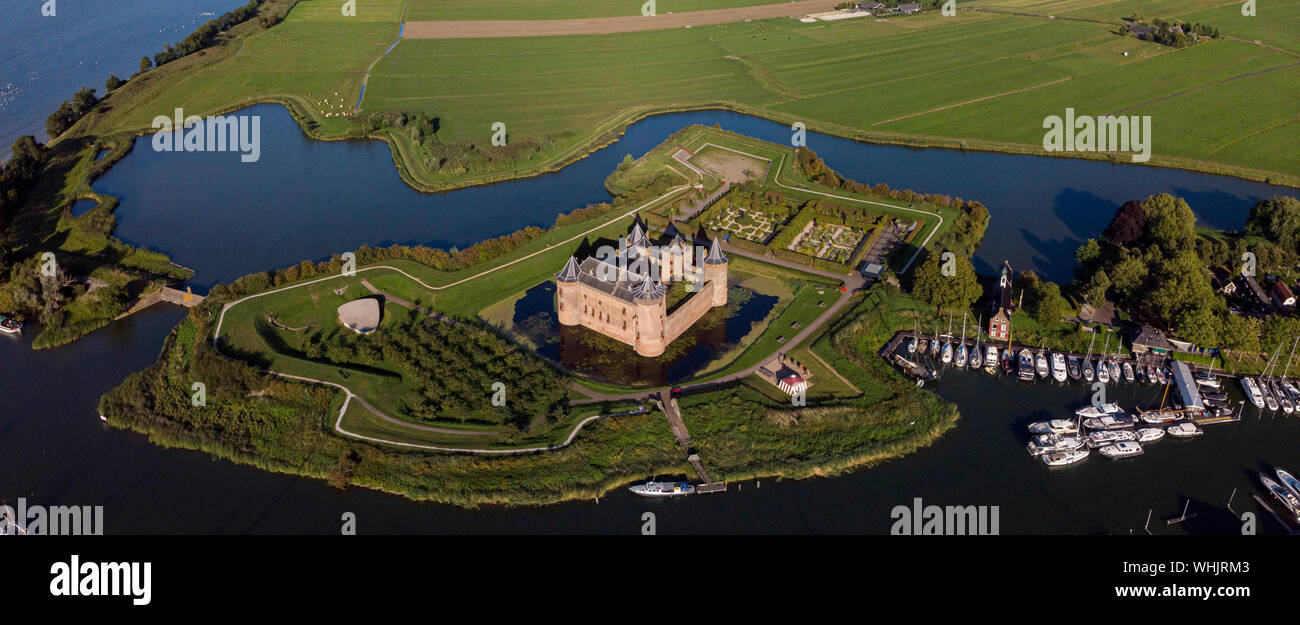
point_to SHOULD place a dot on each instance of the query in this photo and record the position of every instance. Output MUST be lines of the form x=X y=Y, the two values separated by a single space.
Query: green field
x=979 y=80
x=561 y=9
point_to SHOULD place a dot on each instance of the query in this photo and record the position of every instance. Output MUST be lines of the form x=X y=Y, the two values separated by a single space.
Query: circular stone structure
x=360 y=316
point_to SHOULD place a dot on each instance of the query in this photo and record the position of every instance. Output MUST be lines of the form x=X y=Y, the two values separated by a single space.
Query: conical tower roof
x=715 y=254
x=570 y=271
x=649 y=289
x=636 y=235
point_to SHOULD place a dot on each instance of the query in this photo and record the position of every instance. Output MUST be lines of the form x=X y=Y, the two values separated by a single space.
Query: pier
x=669 y=407
x=185 y=298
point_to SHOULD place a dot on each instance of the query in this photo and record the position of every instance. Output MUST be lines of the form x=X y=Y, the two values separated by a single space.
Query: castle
x=623 y=295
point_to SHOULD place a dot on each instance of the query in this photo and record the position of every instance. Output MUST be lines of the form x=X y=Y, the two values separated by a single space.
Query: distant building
x=1000 y=322
x=1152 y=341
x=1222 y=281
x=909 y=8
x=872 y=6
x=1141 y=31
x=1283 y=293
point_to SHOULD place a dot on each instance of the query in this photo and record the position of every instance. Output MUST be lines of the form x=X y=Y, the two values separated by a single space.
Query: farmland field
x=979 y=80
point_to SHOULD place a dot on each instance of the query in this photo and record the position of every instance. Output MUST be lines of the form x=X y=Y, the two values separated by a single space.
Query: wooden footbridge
x=186 y=298
x=669 y=407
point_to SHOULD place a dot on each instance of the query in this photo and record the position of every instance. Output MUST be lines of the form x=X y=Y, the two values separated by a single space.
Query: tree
x=1087 y=253
x=1239 y=333
x=113 y=83
x=1044 y=302
x=1278 y=220
x=1170 y=223
x=145 y=64
x=959 y=290
x=1198 y=325
x=1127 y=226
x=1094 y=291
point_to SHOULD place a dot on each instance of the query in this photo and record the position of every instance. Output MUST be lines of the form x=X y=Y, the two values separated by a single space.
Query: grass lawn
x=869 y=79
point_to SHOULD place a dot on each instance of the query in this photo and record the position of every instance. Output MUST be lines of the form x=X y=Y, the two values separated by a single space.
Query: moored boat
x=1101 y=438
x=9 y=325
x=1186 y=429
x=1109 y=422
x=1026 y=366
x=946 y=354
x=1058 y=366
x=1287 y=498
x=1089 y=372
x=1288 y=481
x=991 y=360
x=1103 y=373
x=1147 y=435
x=1040 y=365
x=1050 y=443
x=960 y=359
x=1055 y=426
x=1062 y=458
x=1252 y=392
x=1072 y=367
x=662 y=489
x=1122 y=449
x=1207 y=380
x=1100 y=410
x=1160 y=417
x=1128 y=372
x=1114 y=371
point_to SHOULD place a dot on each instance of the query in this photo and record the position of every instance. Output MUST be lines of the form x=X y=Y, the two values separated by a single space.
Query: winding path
x=853 y=281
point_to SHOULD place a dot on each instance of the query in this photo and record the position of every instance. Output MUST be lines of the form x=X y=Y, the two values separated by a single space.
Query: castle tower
x=674 y=260
x=651 y=313
x=715 y=271
x=566 y=294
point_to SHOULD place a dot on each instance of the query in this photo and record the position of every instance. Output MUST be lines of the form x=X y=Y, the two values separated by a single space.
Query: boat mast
x=1287 y=369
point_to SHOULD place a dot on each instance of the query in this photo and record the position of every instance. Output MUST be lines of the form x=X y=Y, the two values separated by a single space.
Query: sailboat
x=1103 y=373
x=922 y=345
x=1114 y=370
x=946 y=356
x=962 y=351
x=934 y=342
x=1088 y=371
x=976 y=356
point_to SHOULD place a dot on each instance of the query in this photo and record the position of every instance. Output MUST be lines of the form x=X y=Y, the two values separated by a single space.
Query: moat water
x=305 y=200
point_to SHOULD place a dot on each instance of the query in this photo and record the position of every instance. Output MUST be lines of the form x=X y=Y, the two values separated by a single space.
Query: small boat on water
x=1058 y=366
x=9 y=325
x=1160 y=417
x=1089 y=372
x=1214 y=403
x=1160 y=375
x=1040 y=364
x=1026 y=366
x=1152 y=378
x=1062 y=458
x=1287 y=498
x=1186 y=429
x=1122 y=449
x=911 y=346
x=1288 y=481
x=1051 y=443
x=663 y=489
x=946 y=354
x=922 y=346
x=1205 y=379
x=1128 y=372
x=1141 y=374
x=1055 y=426
x=1072 y=367
x=1252 y=391
x=1269 y=400
x=1101 y=410
x=960 y=359
x=1109 y=422
x=1290 y=388
x=1147 y=435
x=1101 y=438
x=1103 y=373
x=991 y=360
x=1214 y=396
x=912 y=368
x=934 y=346
x=1114 y=371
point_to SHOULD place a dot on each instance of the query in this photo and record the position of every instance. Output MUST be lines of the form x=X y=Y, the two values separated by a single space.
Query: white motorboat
x=1290 y=500
x=1122 y=449
x=991 y=359
x=9 y=325
x=1206 y=380
x=1100 y=410
x=1062 y=458
x=1108 y=422
x=1252 y=392
x=663 y=489
x=1089 y=372
x=1050 y=443
x=1058 y=367
x=1147 y=435
x=1186 y=429
x=1128 y=372
x=1040 y=364
x=1055 y=426
x=1101 y=438
x=1103 y=374
x=1026 y=366
x=1288 y=481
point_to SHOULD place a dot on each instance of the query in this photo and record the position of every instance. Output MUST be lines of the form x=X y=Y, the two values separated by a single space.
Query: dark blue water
x=309 y=199
x=81 y=207
x=82 y=44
